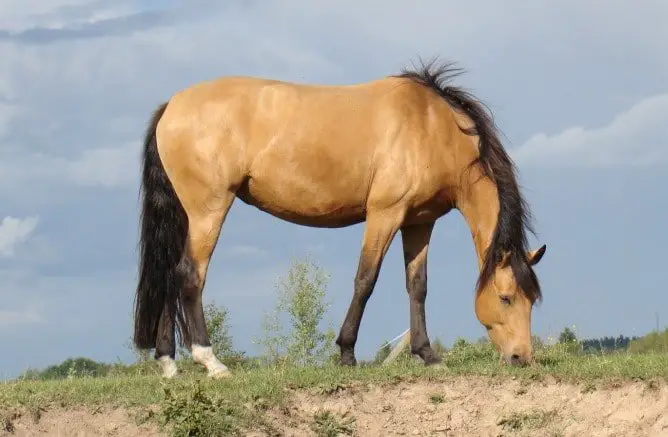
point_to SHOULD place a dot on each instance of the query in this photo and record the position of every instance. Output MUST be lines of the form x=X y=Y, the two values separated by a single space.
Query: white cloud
x=9 y=318
x=18 y=15
x=14 y=232
x=102 y=167
x=635 y=137
x=26 y=10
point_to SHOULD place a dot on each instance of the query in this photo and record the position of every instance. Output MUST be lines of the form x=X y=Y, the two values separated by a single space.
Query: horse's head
x=504 y=308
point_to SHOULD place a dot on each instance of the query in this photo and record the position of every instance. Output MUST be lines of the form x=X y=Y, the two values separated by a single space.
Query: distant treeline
x=656 y=342
x=606 y=344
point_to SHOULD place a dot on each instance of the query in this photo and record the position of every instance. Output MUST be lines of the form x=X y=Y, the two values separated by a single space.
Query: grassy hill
x=259 y=398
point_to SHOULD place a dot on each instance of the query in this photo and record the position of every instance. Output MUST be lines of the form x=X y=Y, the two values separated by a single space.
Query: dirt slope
x=458 y=407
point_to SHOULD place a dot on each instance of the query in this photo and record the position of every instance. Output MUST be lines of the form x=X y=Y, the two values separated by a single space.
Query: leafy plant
x=656 y=342
x=527 y=420
x=568 y=338
x=300 y=300
x=192 y=412
x=327 y=424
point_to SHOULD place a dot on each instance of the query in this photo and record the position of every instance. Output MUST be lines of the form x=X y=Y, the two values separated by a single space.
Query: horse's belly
x=307 y=204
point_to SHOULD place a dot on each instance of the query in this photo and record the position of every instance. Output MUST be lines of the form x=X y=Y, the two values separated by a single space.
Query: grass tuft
x=533 y=420
x=327 y=424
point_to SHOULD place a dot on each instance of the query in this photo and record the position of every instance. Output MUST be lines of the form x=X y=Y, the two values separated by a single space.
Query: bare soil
x=472 y=406
x=79 y=422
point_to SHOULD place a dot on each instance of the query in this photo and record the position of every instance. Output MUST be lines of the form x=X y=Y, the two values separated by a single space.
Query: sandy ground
x=459 y=407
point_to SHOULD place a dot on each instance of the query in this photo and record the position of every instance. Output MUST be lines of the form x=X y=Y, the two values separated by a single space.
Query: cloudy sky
x=580 y=90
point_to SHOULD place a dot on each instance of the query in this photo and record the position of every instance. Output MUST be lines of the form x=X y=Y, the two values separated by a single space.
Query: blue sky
x=578 y=88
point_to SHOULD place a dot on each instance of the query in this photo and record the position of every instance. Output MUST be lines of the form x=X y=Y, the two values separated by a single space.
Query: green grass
x=194 y=405
x=436 y=398
x=528 y=420
x=327 y=424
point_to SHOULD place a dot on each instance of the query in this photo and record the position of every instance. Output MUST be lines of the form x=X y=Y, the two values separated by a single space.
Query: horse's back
x=310 y=154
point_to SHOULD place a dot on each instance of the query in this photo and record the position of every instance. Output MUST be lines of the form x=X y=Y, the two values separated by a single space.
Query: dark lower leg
x=419 y=339
x=200 y=334
x=192 y=306
x=365 y=281
x=378 y=234
x=165 y=345
x=416 y=243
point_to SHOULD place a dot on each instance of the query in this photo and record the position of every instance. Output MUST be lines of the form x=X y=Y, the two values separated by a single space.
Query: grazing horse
x=395 y=153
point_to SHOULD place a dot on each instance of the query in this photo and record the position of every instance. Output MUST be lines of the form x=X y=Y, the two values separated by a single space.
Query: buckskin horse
x=396 y=153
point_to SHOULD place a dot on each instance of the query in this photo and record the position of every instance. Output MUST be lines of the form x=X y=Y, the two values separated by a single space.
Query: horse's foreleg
x=380 y=229
x=416 y=244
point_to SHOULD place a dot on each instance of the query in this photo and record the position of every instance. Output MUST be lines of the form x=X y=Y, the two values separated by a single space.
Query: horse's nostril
x=515 y=359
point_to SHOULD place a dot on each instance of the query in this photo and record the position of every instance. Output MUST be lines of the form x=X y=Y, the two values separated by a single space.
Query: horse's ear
x=535 y=255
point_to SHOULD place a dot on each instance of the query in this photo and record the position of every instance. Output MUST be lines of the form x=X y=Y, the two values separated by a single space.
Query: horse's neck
x=479 y=204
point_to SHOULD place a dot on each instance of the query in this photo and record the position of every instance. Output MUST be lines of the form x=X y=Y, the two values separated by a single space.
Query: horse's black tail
x=162 y=245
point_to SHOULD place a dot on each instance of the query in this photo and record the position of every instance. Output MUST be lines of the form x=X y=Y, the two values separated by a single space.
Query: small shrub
x=463 y=353
x=529 y=420
x=460 y=343
x=327 y=424
x=68 y=369
x=654 y=342
x=300 y=299
x=554 y=355
x=382 y=353
x=436 y=398
x=568 y=338
x=439 y=348
x=191 y=412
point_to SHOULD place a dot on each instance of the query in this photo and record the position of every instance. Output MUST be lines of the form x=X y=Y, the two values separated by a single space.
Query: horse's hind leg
x=416 y=244
x=203 y=232
x=204 y=228
x=165 y=344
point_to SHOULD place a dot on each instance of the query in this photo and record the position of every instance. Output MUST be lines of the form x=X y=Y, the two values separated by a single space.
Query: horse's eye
x=505 y=300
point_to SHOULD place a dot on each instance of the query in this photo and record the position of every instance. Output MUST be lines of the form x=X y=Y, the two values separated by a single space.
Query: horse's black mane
x=514 y=216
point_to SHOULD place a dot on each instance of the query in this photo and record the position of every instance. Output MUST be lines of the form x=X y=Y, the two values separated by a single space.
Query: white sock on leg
x=169 y=369
x=204 y=355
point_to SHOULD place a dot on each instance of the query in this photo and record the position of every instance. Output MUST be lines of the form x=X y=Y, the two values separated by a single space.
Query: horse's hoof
x=220 y=374
x=432 y=360
x=169 y=369
x=440 y=367
x=347 y=359
x=436 y=363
